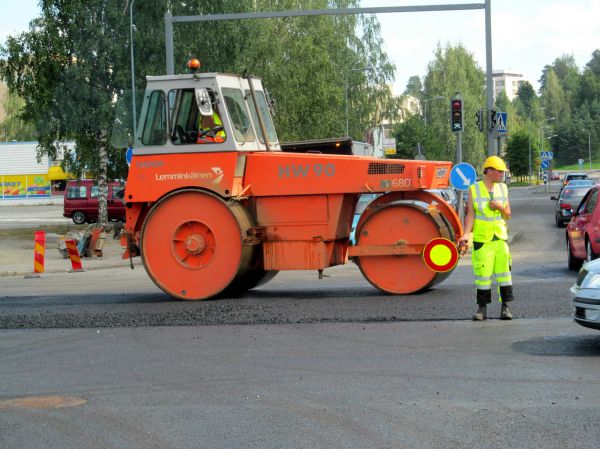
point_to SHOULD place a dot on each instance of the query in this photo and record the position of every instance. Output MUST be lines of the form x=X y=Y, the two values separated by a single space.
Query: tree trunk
x=102 y=185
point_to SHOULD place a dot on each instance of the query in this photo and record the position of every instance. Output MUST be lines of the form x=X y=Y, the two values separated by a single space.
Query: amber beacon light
x=194 y=65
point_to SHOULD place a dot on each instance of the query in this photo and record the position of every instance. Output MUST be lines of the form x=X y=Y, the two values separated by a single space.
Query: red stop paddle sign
x=440 y=255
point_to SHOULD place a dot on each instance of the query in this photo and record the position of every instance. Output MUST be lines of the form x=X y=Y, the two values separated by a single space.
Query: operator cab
x=205 y=112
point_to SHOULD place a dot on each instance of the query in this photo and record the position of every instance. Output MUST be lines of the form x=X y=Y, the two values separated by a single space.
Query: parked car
x=580 y=182
x=81 y=201
x=567 y=202
x=570 y=177
x=586 y=296
x=449 y=195
x=583 y=231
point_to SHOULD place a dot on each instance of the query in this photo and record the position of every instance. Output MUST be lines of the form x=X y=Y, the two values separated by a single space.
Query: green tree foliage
x=13 y=127
x=554 y=98
x=414 y=87
x=589 y=95
x=412 y=134
x=307 y=63
x=517 y=153
x=453 y=70
x=75 y=61
x=527 y=99
x=66 y=69
x=573 y=98
x=571 y=142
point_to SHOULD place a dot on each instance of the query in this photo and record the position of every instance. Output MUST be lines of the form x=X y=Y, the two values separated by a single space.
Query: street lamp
x=134 y=112
x=589 y=145
x=542 y=129
x=529 y=139
x=362 y=69
x=439 y=97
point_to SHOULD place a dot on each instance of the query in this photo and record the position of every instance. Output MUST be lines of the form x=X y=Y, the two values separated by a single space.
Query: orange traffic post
x=74 y=256
x=38 y=254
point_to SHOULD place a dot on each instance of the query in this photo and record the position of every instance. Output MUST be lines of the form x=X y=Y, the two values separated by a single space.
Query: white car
x=586 y=292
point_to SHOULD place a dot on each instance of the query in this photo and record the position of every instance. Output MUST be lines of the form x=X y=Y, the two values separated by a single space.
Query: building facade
x=507 y=82
x=23 y=176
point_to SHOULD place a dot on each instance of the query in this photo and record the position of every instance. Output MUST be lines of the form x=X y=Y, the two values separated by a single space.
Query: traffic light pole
x=489 y=83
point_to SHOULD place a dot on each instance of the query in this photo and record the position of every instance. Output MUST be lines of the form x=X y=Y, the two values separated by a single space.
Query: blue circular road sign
x=462 y=176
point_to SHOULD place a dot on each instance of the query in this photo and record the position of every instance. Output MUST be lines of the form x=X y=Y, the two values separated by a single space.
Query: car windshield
x=580 y=182
x=580 y=176
x=574 y=194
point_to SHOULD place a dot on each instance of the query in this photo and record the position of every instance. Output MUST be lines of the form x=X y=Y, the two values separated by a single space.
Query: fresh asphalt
x=300 y=362
x=115 y=296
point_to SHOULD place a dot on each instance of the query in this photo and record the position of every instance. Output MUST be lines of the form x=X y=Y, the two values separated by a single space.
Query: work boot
x=505 y=313
x=481 y=313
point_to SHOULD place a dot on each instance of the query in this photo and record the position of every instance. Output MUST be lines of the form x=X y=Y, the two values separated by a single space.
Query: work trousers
x=492 y=259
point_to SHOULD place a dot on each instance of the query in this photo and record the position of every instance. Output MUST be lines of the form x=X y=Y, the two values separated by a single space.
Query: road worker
x=211 y=129
x=488 y=211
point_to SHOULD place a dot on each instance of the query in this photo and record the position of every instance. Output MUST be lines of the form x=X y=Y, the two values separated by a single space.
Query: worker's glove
x=463 y=247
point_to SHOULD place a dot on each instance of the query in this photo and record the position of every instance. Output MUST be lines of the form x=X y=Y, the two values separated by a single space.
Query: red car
x=81 y=201
x=583 y=231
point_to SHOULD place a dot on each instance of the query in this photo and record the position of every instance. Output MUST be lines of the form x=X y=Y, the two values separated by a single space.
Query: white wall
x=19 y=158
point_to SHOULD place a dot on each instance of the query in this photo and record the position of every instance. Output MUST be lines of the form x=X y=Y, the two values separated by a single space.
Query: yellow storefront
x=23 y=176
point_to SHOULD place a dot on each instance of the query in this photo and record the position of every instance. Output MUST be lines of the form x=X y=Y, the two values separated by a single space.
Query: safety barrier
x=38 y=254
x=74 y=256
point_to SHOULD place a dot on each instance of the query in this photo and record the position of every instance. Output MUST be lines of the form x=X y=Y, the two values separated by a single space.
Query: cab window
x=264 y=114
x=189 y=126
x=155 y=124
x=236 y=107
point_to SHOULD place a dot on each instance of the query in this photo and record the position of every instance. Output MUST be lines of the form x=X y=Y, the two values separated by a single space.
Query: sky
x=526 y=34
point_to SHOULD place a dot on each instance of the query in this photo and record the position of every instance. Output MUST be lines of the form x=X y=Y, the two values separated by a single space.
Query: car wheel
x=573 y=262
x=589 y=252
x=559 y=222
x=78 y=217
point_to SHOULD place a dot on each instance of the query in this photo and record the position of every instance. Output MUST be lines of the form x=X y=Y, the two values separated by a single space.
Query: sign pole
x=461 y=208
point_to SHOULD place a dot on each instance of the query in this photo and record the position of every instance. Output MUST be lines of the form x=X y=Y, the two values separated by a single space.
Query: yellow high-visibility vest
x=219 y=136
x=488 y=223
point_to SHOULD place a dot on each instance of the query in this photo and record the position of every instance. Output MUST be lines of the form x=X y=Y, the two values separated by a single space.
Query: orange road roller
x=215 y=207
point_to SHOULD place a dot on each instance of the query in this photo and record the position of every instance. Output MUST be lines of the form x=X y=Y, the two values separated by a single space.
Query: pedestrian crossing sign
x=501 y=122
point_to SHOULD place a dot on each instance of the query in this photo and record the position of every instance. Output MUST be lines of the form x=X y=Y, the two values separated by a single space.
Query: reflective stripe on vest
x=488 y=222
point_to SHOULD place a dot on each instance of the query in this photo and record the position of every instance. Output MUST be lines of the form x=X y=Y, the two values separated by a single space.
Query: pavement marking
x=20 y=220
x=41 y=402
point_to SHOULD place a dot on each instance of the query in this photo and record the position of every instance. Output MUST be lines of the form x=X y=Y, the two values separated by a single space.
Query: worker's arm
x=504 y=209
x=469 y=219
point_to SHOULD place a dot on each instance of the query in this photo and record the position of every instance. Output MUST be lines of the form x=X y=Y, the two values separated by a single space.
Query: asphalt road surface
x=302 y=362
x=123 y=297
x=31 y=216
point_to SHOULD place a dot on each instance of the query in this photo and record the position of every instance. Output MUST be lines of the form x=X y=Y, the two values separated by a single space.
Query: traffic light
x=493 y=116
x=479 y=116
x=456 y=115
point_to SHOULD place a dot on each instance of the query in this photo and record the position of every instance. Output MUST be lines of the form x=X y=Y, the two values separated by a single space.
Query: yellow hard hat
x=495 y=162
